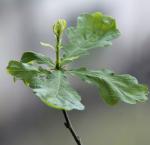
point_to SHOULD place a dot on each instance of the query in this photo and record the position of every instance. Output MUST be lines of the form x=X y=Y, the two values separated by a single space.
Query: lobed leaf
x=55 y=91
x=51 y=87
x=33 y=57
x=22 y=71
x=93 y=30
x=114 y=87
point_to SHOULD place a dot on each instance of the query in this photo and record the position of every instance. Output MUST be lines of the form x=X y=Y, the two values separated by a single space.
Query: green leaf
x=93 y=30
x=114 y=87
x=22 y=71
x=33 y=57
x=51 y=87
x=55 y=91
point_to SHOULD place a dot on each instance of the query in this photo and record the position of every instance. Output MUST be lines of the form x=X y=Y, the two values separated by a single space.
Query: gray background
x=24 y=120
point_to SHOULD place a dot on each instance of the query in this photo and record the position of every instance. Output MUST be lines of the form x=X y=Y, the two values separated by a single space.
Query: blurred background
x=24 y=120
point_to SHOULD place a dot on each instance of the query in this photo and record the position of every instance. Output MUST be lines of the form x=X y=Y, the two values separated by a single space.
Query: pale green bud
x=59 y=27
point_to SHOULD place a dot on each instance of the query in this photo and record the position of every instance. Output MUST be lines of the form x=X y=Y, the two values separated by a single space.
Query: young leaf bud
x=59 y=27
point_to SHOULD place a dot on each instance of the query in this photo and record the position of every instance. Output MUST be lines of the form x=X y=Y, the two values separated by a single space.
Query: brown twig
x=68 y=125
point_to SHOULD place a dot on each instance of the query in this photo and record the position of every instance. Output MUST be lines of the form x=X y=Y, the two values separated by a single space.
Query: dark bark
x=68 y=125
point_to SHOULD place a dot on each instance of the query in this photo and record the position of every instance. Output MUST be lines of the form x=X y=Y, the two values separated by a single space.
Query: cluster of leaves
x=50 y=84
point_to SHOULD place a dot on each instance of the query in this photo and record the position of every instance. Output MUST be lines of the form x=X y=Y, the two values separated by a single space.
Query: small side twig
x=68 y=125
